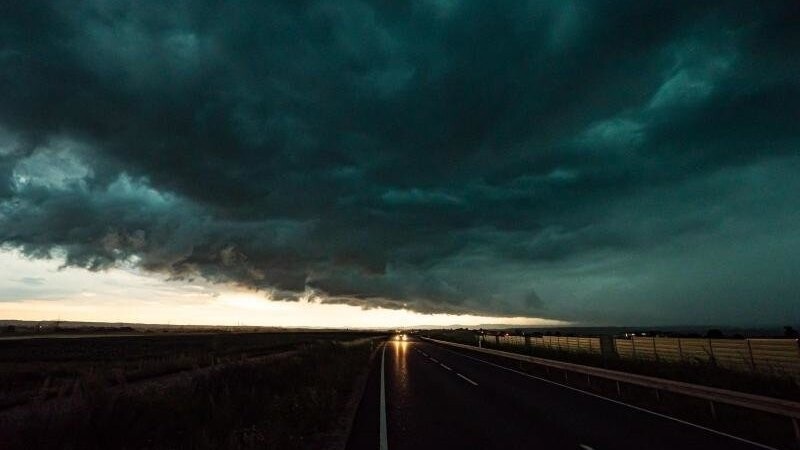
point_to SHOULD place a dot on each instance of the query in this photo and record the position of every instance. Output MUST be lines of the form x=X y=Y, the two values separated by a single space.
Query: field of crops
x=40 y=369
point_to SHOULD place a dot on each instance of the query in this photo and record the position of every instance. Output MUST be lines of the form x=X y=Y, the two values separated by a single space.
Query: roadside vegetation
x=292 y=399
x=38 y=369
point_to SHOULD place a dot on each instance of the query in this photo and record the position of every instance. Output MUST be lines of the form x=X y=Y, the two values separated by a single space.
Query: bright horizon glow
x=39 y=290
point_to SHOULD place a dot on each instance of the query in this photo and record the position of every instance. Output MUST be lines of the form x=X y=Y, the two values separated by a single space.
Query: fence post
x=655 y=352
x=680 y=349
x=619 y=390
x=633 y=346
x=753 y=362
x=711 y=348
x=713 y=409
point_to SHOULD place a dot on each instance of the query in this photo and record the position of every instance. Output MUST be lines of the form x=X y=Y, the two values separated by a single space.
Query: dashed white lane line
x=424 y=353
x=445 y=367
x=591 y=394
x=434 y=360
x=472 y=382
x=586 y=447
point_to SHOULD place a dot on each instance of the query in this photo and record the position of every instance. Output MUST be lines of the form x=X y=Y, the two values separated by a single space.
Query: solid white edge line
x=462 y=376
x=434 y=360
x=384 y=439
x=664 y=416
x=445 y=366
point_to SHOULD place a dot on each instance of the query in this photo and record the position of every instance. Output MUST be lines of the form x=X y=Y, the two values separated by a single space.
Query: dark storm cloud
x=560 y=159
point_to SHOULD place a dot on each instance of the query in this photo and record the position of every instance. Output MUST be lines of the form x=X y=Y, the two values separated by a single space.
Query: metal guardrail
x=770 y=405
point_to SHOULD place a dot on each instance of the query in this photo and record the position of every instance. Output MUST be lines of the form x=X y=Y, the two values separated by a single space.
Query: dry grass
x=48 y=368
x=287 y=402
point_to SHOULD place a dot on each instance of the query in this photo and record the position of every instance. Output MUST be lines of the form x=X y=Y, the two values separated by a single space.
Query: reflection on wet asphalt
x=440 y=398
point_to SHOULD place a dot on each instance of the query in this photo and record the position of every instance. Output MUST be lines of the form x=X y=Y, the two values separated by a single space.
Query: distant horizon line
x=6 y=322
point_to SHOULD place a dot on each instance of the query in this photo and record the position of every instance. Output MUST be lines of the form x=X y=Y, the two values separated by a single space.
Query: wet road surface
x=437 y=397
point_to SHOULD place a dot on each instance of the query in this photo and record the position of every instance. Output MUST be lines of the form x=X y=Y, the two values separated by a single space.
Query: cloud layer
x=593 y=162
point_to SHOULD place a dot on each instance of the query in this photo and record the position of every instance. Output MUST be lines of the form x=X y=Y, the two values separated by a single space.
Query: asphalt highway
x=440 y=398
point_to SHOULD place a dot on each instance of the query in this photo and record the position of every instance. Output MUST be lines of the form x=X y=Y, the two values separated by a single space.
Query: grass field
x=238 y=391
x=45 y=368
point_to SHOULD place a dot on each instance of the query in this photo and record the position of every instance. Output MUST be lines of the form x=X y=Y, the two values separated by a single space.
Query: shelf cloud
x=593 y=162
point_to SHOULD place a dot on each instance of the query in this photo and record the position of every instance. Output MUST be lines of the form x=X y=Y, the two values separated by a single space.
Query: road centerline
x=591 y=394
x=462 y=376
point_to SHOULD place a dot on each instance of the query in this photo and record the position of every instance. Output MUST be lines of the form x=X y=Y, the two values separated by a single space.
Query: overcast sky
x=594 y=162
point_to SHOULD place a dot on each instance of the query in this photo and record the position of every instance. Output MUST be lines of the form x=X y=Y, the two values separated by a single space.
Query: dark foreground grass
x=48 y=368
x=288 y=402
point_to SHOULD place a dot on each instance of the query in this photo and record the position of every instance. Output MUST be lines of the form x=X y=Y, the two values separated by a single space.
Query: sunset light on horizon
x=128 y=296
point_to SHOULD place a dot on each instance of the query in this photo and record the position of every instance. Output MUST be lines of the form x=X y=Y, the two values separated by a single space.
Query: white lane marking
x=434 y=360
x=663 y=416
x=424 y=353
x=384 y=445
x=445 y=366
x=586 y=447
x=462 y=376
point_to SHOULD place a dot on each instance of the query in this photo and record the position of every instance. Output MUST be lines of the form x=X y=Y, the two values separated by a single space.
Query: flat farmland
x=224 y=390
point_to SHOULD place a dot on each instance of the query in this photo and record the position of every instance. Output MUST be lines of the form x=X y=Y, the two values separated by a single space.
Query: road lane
x=437 y=397
x=431 y=407
x=593 y=421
